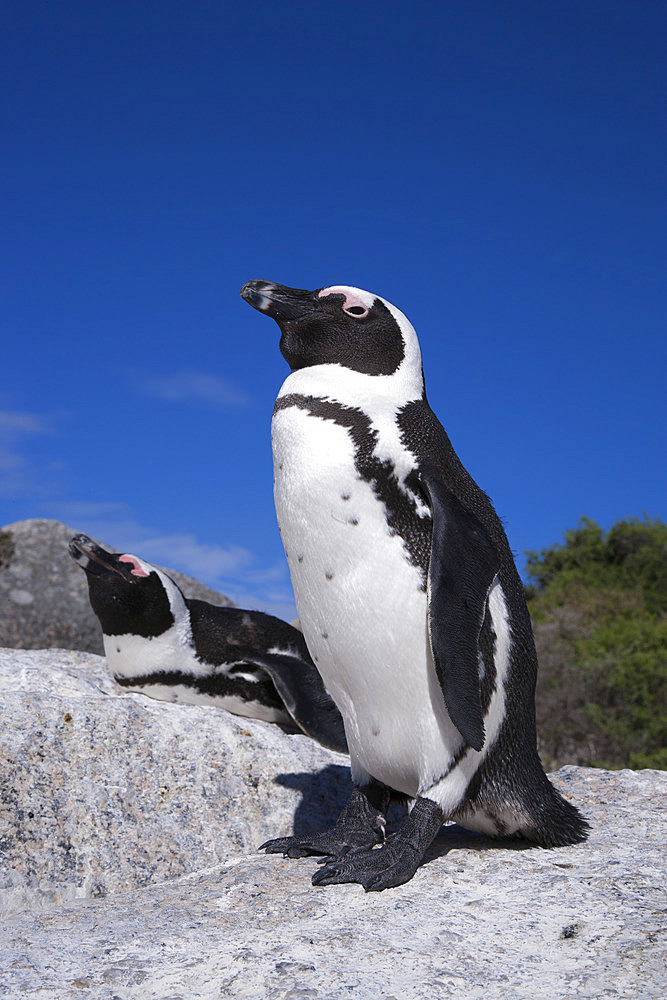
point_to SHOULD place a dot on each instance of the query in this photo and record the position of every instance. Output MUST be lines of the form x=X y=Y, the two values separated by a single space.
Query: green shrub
x=599 y=604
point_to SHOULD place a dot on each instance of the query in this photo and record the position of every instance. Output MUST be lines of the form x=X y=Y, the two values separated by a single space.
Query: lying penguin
x=183 y=650
x=407 y=593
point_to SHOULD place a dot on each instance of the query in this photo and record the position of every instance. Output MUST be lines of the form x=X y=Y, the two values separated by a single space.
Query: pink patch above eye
x=351 y=301
x=137 y=571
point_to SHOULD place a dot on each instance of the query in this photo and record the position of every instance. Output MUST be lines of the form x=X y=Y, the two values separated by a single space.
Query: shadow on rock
x=455 y=838
x=325 y=792
x=323 y=795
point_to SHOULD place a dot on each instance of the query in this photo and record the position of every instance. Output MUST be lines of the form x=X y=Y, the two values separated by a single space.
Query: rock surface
x=104 y=791
x=44 y=595
x=159 y=807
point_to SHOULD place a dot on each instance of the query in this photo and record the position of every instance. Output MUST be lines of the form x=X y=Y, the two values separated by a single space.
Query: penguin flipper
x=463 y=565
x=305 y=697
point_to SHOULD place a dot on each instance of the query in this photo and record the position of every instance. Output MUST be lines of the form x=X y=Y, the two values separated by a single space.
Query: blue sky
x=494 y=169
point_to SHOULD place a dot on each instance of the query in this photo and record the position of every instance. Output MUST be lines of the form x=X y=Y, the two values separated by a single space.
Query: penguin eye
x=357 y=311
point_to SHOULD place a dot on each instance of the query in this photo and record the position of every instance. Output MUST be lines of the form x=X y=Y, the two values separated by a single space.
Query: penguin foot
x=395 y=862
x=359 y=826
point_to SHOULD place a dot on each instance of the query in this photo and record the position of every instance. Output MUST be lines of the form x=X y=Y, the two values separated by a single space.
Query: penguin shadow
x=324 y=793
x=453 y=837
x=323 y=796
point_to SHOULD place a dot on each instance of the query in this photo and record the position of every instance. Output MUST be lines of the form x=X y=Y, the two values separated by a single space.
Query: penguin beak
x=280 y=302
x=81 y=550
x=94 y=559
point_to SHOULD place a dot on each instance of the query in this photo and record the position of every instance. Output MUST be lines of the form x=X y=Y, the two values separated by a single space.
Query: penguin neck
x=356 y=389
x=182 y=627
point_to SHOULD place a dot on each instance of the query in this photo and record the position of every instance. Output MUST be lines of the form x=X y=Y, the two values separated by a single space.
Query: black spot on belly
x=299 y=558
x=400 y=506
x=325 y=635
x=329 y=575
x=353 y=520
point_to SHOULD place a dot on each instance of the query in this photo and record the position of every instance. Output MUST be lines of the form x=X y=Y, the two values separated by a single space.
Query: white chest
x=135 y=656
x=360 y=602
x=139 y=662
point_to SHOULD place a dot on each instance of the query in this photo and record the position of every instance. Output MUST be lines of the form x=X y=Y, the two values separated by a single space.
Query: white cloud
x=203 y=561
x=232 y=571
x=14 y=423
x=14 y=426
x=105 y=512
x=280 y=604
x=191 y=387
x=112 y=524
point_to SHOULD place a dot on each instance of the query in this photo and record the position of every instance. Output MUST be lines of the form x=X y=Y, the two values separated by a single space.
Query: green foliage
x=599 y=607
x=633 y=553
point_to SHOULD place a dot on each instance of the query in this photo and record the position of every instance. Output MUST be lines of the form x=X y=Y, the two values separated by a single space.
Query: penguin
x=407 y=593
x=184 y=650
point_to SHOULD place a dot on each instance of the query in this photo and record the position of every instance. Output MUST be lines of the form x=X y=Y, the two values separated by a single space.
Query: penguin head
x=337 y=325
x=128 y=595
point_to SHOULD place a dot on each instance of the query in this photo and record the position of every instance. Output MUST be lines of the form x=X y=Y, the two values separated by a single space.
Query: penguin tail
x=555 y=822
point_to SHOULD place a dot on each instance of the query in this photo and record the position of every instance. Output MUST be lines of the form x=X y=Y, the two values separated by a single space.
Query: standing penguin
x=407 y=593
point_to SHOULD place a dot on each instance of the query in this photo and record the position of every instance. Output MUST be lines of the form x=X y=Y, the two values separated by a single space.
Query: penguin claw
x=289 y=847
x=375 y=870
x=396 y=861
x=359 y=826
x=332 y=844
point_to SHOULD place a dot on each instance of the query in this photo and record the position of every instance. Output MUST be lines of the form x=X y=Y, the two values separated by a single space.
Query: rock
x=104 y=791
x=482 y=920
x=44 y=595
x=155 y=809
